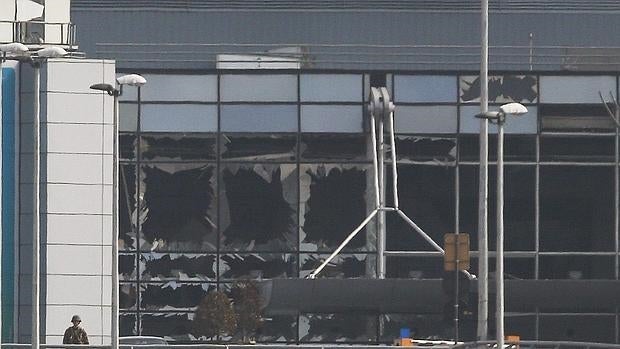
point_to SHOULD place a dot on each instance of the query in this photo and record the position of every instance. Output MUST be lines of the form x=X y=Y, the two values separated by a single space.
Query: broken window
x=358 y=265
x=127 y=324
x=425 y=149
x=341 y=147
x=427 y=198
x=176 y=326
x=278 y=328
x=177 y=266
x=127 y=296
x=258 y=266
x=172 y=295
x=337 y=328
x=332 y=204
x=502 y=88
x=258 y=207
x=576 y=208
x=167 y=147
x=127 y=266
x=127 y=207
x=258 y=147
x=178 y=208
x=577 y=149
x=127 y=146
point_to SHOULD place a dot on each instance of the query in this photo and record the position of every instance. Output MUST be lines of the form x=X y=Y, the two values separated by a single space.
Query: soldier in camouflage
x=75 y=334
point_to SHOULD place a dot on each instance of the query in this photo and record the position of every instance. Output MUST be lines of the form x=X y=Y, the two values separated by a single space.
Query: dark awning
x=286 y=296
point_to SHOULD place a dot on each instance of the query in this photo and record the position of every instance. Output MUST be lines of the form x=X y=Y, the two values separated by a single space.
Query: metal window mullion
x=138 y=208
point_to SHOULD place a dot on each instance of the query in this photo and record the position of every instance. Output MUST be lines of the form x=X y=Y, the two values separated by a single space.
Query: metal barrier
x=34 y=32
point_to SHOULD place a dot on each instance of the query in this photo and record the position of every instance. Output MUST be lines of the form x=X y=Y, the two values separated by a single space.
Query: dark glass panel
x=127 y=207
x=338 y=328
x=340 y=147
x=522 y=326
x=342 y=266
x=178 y=211
x=258 y=266
x=416 y=148
x=576 y=267
x=258 y=207
x=519 y=268
x=127 y=296
x=419 y=325
x=575 y=118
x=176 y=326
x=166 y=147
x=576 y=208
x=414 y=267
x=577 y=149
x=426 y=196
x=516 y=148
x=127 y=146
x=172 y=295
x=332 y=204
x=127 y=266
x=278 y=328
x=577 y=328
x=259 y=148
x=127 y=325
x=176 y=266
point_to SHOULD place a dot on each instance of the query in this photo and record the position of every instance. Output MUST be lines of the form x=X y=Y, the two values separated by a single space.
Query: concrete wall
x=76 y=199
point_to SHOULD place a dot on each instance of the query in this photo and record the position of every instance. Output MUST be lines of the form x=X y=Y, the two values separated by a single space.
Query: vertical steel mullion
x=138 y=208
x=218 y=150
x=537 y=195
x=298 y=162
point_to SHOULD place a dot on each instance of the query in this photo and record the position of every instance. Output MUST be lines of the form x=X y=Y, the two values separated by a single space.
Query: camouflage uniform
x=75 y=335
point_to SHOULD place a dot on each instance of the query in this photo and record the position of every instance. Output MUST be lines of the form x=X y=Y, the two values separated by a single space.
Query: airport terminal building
x=247 y=155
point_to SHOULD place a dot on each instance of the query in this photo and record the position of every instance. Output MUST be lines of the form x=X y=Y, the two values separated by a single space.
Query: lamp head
x=131 y=80
x=513 y=109
x=105 y=88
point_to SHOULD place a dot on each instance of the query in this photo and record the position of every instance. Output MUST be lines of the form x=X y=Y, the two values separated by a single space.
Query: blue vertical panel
x=8 y=201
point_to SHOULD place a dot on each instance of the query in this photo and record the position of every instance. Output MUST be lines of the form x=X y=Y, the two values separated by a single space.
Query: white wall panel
x=73 y=198
x=75 y=168
x=74 y=138
x=76 y=229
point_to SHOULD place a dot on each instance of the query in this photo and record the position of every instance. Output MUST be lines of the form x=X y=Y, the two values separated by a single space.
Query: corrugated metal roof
x=460 y=5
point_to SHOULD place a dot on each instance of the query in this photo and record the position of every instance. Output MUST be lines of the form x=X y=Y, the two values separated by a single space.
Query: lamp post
x=131 y=80
x=20 y=52
x=499 y=117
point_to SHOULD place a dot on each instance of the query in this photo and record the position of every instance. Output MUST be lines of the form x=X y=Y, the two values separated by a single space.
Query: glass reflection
x=258 y=148
x=164 y=147
x=177 y=266
x=341 y=147
x=127 y=208
x=258 y=266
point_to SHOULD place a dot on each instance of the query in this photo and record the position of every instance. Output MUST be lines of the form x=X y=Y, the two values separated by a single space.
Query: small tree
x=215 y=316
x=248 y=305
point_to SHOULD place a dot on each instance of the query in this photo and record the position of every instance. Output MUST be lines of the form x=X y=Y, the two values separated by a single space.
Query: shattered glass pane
x=258 y=266
x=177 y=266
x=127 y=324
x=171 y=326
x=127 y=266
x=358 y=265
x=414 y=267
x=341 y=147
x=258 y=147
x=258 y=207
x=333 y=201
x=172 y=295
x=577 y=149
x=420 y=325
x=502 y=88
x=425 y=149
x=163 y=147
x=278 y=328
x=127 y=146
x=127 y=296
x=179 y=207
x=337 y=328
x=127 y=207
x=428 y=201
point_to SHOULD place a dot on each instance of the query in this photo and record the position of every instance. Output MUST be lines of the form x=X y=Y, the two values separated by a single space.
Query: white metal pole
x=115 y=228
x=35 y=210
x=483 y=268
x=499 y=259
x=381 y=221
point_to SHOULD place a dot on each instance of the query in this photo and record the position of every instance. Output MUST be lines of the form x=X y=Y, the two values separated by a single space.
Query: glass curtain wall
x=229 y=176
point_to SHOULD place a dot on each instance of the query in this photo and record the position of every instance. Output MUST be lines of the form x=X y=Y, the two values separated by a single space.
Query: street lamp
x=131 y=80
x=20 y=52
x=499 y=117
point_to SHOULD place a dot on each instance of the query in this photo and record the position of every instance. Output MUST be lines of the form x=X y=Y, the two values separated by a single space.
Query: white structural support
x=381 y=111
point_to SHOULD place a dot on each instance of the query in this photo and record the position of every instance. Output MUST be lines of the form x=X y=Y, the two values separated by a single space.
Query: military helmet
x=76 y=318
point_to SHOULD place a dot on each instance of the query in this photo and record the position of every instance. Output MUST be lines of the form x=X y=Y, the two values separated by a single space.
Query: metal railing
x=34 y=32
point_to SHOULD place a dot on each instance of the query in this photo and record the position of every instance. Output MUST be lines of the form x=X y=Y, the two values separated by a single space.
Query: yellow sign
x=456 y=247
